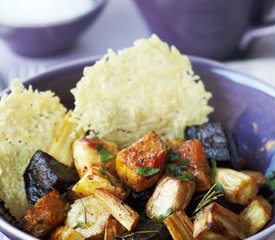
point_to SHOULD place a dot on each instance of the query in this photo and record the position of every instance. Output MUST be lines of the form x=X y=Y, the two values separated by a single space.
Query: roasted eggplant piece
x=44 y=173
x=141 y=165
x=5 y=214
x=171 y=194
x=257 y=214
x=46 y=214
x=218 y=223
x=218 y=143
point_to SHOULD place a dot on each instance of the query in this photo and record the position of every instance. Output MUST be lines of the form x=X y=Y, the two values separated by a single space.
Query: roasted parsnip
x=170 y=194
x=98 y=177
x=111 y=229
x=179 y=226
x=87 y=217
x=88 y=152
x=257 y=214
x=119 y=210
x=61 y=148
x=192 y=151
x=46 y=214
x=238 y=187
x=258 y=177
x=141 y=165
x=65 y=233
x=218 y=223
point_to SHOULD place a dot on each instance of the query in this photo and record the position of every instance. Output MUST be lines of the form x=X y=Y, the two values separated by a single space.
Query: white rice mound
x=149 y=86
x=28 y=121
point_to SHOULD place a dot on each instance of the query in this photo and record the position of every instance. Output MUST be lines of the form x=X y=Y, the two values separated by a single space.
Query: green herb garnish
x=173 y=169
x=108 y=176
x=104 y=154
x=139 y=233
x=271 y=181
x=172 y=155
x=213 y=194
x=67 y=206
x=188 y=176
x=79 y=225
x=213 y=168
x=185 y=164
x=146 y=171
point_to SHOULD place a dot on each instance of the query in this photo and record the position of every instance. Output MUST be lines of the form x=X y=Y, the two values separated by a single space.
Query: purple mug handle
x=267 y=28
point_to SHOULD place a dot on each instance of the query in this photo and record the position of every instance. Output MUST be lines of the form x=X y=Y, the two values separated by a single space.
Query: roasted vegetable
x=257 y=214
x=88 y=217
x=258 y=177
x=171 y=194
x=88 y=152
x=65 y=233
x=44 y=173
x=61 y=148
x=111 y=229
x=119 y=210
x=46 y=214
x=179 y=226
x=218 y=143
x=146 y=231
x=141 y=165
x=218 y=223
x=238 y=187
x=191 y=156
x=5 y=214
x=98 y=177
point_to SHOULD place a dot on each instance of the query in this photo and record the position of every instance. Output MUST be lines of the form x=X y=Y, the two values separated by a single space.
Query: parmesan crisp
x=28 y=122
x=149 y=86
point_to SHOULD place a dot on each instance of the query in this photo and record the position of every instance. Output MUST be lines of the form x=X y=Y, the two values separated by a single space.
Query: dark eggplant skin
x=219 y=144
x=161 y=233
x=44 y=173
x=138 y=200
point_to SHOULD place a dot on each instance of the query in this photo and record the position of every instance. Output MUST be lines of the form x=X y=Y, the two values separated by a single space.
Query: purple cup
x=208 y=28
x=244 y=104
x=38 y=41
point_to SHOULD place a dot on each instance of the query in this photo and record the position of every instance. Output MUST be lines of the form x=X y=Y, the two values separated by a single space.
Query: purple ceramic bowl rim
x=98 y=4
x=253 y=83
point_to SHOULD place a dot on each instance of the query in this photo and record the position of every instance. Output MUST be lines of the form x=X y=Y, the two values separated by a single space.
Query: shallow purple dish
x=241 y=102
x=44 y=40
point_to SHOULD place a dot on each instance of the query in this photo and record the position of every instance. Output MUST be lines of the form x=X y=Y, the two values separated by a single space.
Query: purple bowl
x=241 y=102
x=37 y=41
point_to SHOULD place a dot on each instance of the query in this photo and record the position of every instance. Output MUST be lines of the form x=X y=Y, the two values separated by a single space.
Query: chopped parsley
x=146 y=171
x=172 y=155
x=104 y=154
x=173 y=169
x=185 y=164
x=79 y=225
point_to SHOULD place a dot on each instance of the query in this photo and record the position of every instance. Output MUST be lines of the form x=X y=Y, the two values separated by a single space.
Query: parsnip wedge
x=119 y=210
x=179 y=226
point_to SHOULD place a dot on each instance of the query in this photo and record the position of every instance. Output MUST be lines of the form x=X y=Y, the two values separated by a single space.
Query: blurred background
x=117 y=23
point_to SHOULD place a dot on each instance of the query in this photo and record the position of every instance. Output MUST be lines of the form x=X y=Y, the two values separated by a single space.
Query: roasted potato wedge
x=119 y=210
x=171 y=194
x=179 y=226
x=45 y=215
x=141 y=165
x=88 y=217
x=215 y=222
x=257 y=214
x=88 y=152
x=111 y=229
x=98 y=177
x=65 y=233
x=192 y=151
x=257 y=176
x=238 y=187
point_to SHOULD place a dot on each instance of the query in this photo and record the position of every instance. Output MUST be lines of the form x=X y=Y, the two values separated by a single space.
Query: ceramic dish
x=241 y=102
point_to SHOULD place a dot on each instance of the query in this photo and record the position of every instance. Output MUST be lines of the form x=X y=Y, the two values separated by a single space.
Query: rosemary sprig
x=139 y=233
x=84 y=212
x=213 y=194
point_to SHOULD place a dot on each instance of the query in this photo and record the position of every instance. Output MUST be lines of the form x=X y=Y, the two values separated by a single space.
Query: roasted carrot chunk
x=141 y=165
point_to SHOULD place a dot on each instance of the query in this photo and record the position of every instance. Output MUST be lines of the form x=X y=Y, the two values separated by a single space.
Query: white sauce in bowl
x=42 y=12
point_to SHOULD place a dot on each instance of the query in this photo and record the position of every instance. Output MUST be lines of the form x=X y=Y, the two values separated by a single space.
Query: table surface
x=109 y=31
